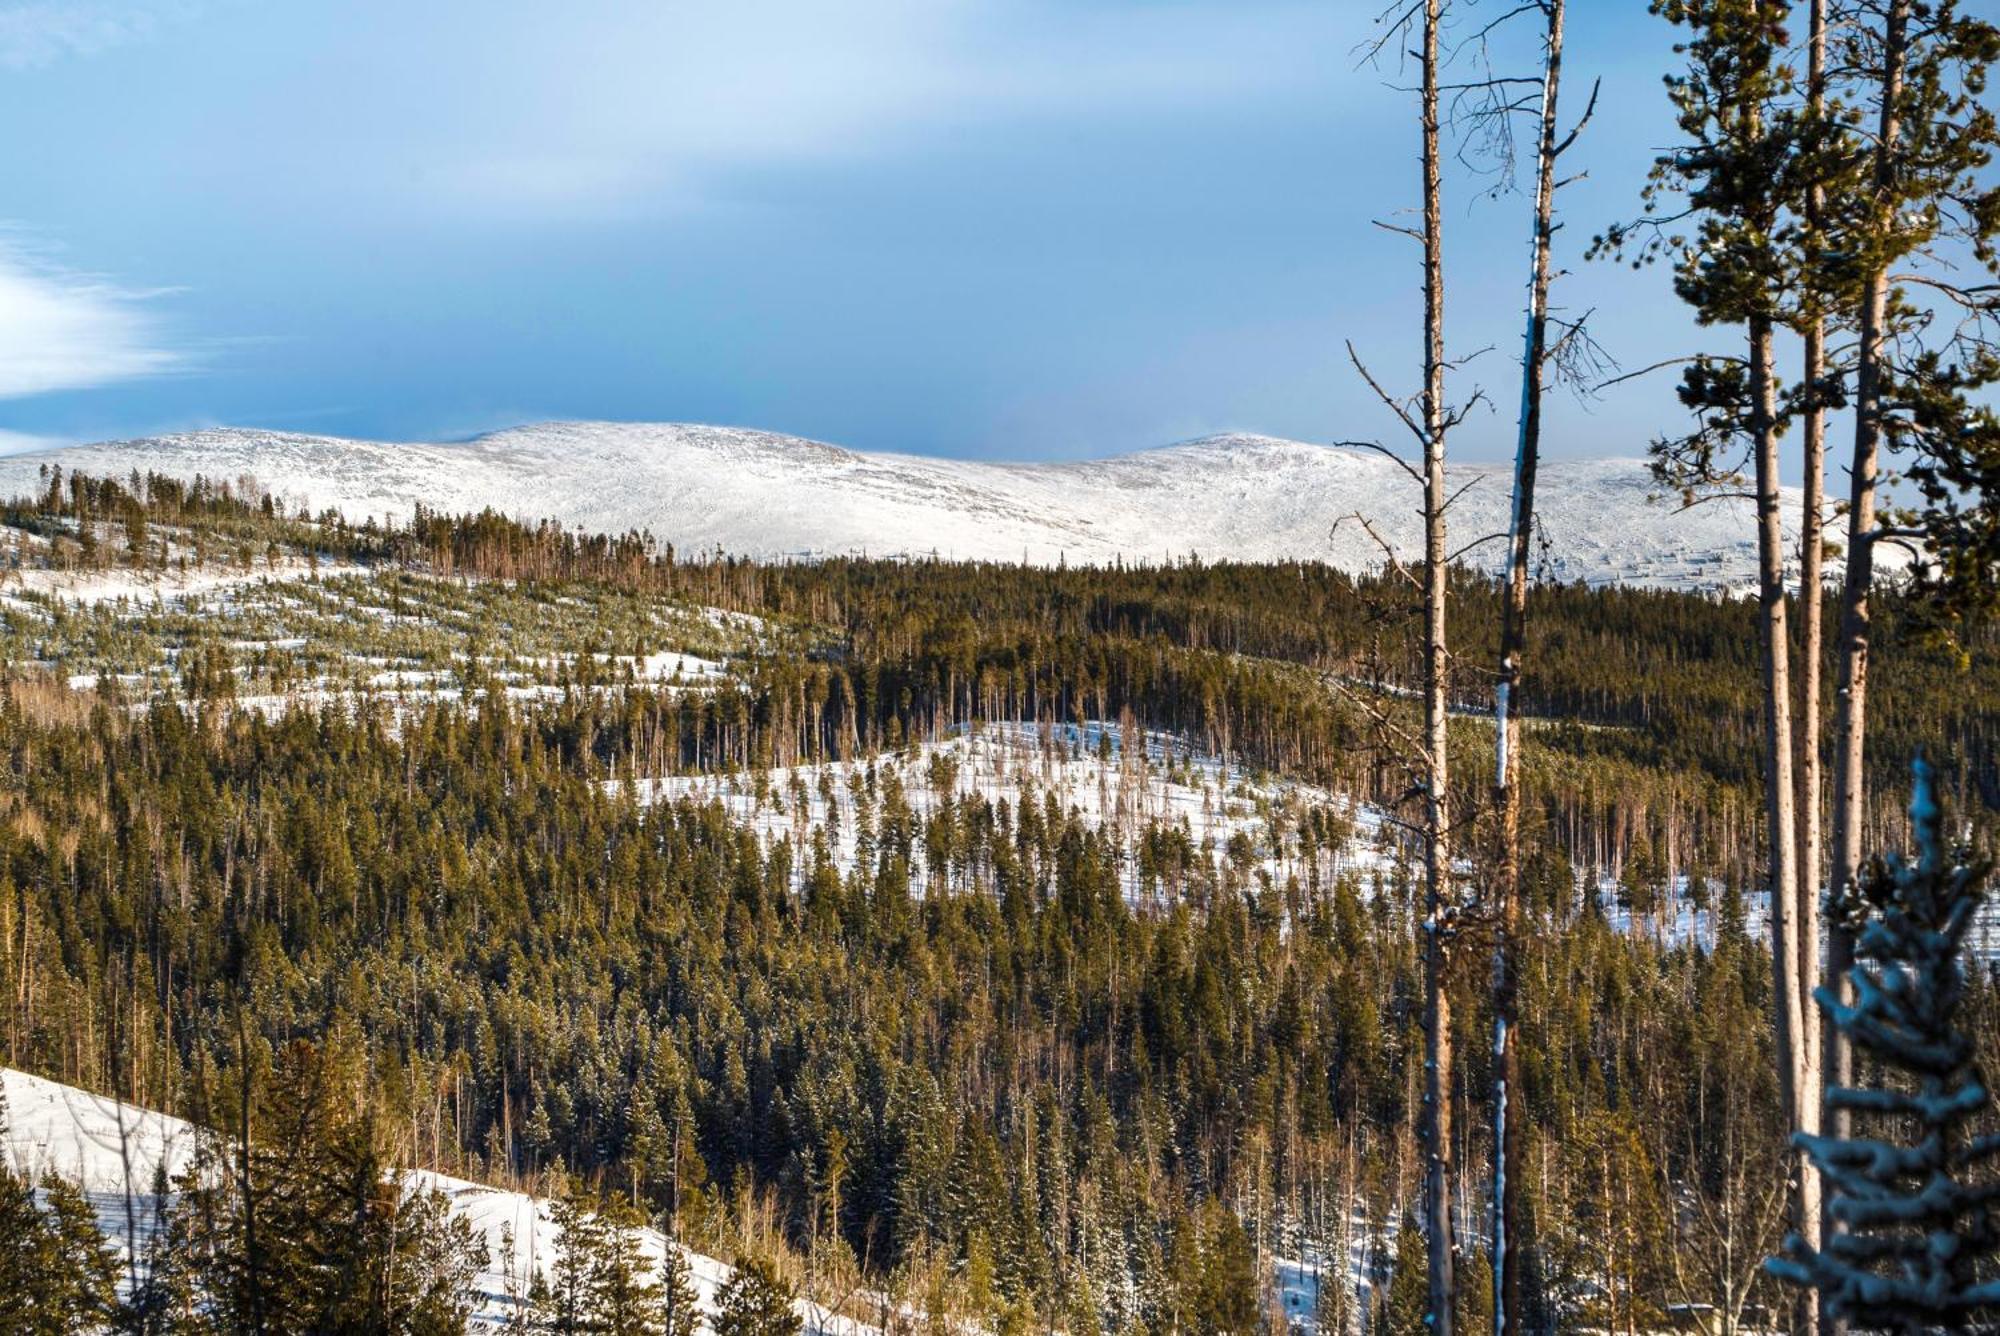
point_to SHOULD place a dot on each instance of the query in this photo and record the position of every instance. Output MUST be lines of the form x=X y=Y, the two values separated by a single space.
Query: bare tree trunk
x=1807 y=725
x=1507 y=1177
x=1851 y=694
x=1779 y=792
x=1437 y=815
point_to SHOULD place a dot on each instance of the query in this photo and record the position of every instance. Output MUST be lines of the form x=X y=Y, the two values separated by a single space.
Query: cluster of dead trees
x=1829 y=192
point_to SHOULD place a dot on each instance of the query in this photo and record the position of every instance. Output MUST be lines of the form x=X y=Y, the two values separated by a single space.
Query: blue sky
x=1007 y=228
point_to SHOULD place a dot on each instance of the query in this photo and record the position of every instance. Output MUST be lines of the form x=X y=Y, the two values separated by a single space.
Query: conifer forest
x=474 y=921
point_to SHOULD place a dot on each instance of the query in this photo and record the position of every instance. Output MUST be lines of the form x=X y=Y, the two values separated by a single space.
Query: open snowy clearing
x=293 y=633
x=1231 y=818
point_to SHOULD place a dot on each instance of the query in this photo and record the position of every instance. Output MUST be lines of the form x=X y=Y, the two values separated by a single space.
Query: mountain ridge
x=1231 y=495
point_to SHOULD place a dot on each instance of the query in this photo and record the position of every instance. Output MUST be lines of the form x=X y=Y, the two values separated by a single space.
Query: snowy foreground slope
x=764 y=495
x=103 y=1146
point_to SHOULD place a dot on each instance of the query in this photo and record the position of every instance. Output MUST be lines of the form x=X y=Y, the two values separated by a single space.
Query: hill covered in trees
x=1024 y=946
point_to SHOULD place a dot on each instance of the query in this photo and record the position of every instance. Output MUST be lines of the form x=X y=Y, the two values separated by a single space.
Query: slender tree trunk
x=1507 y=1169
x=1437 y=843
x=246 y=1163
x=1775 y=643
x=1807 y=725
x=1851 y=695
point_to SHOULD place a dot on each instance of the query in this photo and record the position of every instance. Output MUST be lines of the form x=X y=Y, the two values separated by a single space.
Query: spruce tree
x=57 y=1273
x=1404 y=1306
x=624 y=1299
x=1915 y=1220
x=680 y=1311
x=756 y=1302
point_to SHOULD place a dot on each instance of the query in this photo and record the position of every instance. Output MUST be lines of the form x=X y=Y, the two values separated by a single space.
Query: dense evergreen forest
x=1016 y=1098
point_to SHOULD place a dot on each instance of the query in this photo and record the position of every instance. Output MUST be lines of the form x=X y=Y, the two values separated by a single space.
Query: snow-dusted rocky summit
x=764 y=495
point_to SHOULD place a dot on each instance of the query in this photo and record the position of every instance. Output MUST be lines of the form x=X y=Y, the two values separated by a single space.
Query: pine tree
x=1226 y=1291
x=57 y=1273
x=680 y=1312
x=1403 y=1311
x=340 y=1241
x=1739 y=264
x=756 y=1302
x=1925 y=198
x=1914 y=1231
x=625 y=1301
x=568 y=1306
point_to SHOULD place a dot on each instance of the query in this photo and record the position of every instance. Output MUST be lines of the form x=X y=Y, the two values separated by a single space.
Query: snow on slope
x=105 y=1147
x=1163 y=783
x=764 y=495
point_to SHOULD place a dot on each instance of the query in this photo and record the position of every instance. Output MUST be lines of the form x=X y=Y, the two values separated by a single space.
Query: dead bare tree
x=1504 y=907
x=1430 y=420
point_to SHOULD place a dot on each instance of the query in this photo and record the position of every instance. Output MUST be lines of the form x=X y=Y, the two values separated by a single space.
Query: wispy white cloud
x=39 y=32
x=24 y=443
x=604 y=105
x=68 y=331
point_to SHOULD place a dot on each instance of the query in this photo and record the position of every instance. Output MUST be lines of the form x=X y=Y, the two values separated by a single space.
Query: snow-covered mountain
x=764 y=495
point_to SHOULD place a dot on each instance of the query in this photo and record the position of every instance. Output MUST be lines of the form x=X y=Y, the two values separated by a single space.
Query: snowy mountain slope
x=110 y=1150
x=765 y=495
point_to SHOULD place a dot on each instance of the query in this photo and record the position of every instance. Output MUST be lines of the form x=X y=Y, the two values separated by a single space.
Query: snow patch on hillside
x=1121 y=785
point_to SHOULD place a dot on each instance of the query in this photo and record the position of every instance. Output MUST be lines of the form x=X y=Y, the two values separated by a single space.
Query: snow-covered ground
x=765 y=495
x=146 y=588
x=299 y=633
x=1683 y=920
x=1226 y=813
x=111 y=1149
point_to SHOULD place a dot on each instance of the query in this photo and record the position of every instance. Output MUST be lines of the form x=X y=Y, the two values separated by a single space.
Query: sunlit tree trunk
x=1856 y=629
x=1807 y=723
x=1437 y=815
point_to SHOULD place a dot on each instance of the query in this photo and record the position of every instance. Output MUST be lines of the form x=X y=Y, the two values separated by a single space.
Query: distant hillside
x=769 y=496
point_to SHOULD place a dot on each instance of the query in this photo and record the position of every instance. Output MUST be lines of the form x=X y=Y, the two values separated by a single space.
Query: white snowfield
x=762 y=495
x=111 y=1149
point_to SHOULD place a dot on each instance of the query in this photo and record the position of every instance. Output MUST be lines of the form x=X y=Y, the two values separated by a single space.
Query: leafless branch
x=1387 y=453
x=1395 y=406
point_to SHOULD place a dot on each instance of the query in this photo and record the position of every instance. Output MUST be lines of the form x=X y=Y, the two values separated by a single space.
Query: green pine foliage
x=1406 y=1309
x=56 y=1270
x=1009 y=1085
x=1917 y=1236
x=756 y=1301
x=679 y=1305
x=296 y=1219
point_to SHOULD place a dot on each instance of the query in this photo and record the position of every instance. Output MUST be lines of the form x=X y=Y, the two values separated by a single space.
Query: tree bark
x=1851 y=693
x=1507 y=1168
x=1779 y=793
x=1437 y=814
x=1807 y=724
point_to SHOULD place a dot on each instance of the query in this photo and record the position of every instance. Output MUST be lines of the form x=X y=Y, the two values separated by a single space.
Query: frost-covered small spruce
x=1913 y=1219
